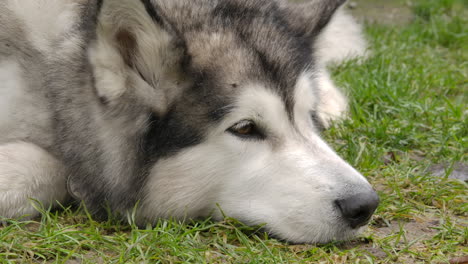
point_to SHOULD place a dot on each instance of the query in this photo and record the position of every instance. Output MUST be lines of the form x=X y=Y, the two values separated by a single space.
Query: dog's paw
x=29 y=175
x=333 y=104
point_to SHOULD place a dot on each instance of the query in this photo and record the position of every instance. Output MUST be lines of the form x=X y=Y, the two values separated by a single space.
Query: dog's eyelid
x=247 y=129
x=243 y=123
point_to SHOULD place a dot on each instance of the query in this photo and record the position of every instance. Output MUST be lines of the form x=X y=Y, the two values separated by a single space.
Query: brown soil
x=389 y=12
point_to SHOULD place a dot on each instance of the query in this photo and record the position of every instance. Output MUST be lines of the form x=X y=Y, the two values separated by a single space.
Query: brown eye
x=246 y=129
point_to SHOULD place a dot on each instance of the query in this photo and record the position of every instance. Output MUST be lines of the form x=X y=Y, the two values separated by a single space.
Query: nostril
x=357 y=209
x=358 y=214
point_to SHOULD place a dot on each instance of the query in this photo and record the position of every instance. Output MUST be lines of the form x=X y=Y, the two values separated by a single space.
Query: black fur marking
x=249 y=23
x=99 y=6
x=278 y=56
x=219 y=112
x=167 y=136
x=152 y=12
x=236 y=12
x=217 y=107
x=328 y=13
x=87 y=26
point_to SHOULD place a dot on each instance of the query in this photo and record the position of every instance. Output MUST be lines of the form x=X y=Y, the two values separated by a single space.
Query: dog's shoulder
x=48 y=26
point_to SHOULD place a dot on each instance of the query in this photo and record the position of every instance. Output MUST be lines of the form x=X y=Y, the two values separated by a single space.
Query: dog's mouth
x=341 y=234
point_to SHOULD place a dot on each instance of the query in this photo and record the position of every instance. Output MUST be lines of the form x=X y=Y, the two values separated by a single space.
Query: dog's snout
x=357 y=209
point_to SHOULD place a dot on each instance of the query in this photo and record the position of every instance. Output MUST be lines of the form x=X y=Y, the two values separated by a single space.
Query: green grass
x=409 y=112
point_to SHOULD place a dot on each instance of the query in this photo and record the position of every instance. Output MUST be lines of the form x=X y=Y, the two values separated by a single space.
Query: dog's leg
x=28 y=173
x=341 y=40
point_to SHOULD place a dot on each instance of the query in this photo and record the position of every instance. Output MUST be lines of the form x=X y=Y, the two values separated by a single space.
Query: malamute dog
x=174 y=107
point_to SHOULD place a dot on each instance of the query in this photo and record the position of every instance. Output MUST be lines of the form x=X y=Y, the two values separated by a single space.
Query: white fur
x=22 y=114
x=12 y=87
x=49 y=32
x=289 y=181
x=333 y=104
x=153 y=56
x=29 y=172
x=341 y=40
x=317 y=92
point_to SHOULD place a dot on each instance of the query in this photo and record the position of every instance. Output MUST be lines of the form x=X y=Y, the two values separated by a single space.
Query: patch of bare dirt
x=411 y=236
x=389 y=12
x=457 y=171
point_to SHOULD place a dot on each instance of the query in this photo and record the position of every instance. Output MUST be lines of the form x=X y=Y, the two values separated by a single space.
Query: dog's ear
x=137 y=55
x=311 y=17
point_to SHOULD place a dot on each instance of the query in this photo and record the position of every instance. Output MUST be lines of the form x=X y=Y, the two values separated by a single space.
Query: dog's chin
x=325 y=240
x=342 y=234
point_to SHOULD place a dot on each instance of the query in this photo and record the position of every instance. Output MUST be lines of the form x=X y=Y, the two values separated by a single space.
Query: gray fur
x=83 y=101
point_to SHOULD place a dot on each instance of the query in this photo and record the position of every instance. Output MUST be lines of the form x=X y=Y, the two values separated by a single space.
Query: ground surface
x=408 y=134
x=393 y=12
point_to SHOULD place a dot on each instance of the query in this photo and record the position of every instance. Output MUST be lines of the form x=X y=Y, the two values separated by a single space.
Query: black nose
x=357 y=209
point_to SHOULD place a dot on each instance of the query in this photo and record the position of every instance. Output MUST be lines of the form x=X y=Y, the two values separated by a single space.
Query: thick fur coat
x=172 y=107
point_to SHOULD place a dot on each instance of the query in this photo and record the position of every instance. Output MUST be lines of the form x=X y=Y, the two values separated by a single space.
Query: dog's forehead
x=224 y=76
x=231 y=44
x=225 y=63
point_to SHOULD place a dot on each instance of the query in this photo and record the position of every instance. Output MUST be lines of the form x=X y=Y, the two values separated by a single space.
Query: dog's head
x=228 y=96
